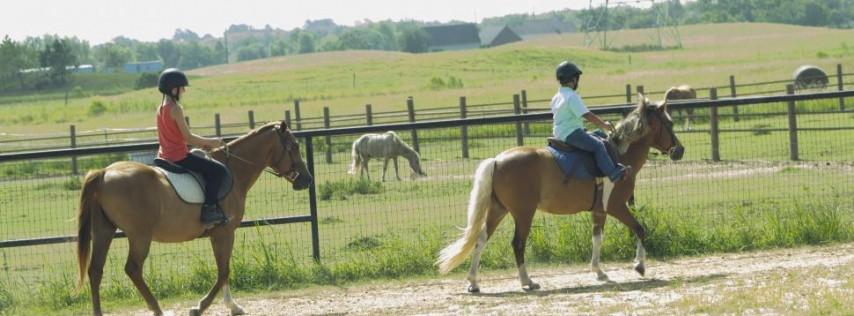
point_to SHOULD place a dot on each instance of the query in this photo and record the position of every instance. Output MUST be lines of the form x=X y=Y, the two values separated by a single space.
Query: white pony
x=386 y=146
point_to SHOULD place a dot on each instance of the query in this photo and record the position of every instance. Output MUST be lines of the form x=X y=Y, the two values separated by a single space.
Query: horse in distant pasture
x=682 y=92
x=140 y=201
x=387 y=146
x=521 y=180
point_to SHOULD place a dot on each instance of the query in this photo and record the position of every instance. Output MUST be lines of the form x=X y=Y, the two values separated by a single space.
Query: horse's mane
x=257 y=131
x=629 y=130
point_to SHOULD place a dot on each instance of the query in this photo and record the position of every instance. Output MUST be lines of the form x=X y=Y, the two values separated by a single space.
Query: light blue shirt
x=567 y=111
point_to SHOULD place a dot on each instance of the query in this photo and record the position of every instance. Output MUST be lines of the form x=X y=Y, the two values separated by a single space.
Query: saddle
x=190 y=185
x=576 y=163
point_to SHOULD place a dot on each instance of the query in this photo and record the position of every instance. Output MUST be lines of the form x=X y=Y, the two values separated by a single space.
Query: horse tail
x=357 y=159
x=88 y=205
x=480 y=202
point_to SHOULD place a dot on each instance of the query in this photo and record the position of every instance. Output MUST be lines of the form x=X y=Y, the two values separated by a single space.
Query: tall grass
x=266 y=265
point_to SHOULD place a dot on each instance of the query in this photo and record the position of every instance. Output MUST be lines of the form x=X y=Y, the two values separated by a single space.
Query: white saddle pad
x=185 y=185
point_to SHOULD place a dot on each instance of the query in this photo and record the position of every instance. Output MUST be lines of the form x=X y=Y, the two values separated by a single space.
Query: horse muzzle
x=302 y=181
x=676 y=152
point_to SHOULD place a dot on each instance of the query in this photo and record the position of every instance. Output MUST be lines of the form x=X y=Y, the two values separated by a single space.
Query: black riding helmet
x=171 y=78
x=566 y=71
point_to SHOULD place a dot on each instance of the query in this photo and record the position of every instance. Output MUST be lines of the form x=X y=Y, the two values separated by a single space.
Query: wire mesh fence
x=754 y=173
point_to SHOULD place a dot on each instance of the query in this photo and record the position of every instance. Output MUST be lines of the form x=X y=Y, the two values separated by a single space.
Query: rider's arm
x=189 y=137
x=593 y=118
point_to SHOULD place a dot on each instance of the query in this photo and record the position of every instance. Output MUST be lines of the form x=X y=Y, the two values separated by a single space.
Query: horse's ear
x=283 y=125
x=642 y=102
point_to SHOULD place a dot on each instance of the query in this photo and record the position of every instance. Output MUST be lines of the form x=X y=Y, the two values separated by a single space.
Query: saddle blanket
x=189 y=185
x=577 y=164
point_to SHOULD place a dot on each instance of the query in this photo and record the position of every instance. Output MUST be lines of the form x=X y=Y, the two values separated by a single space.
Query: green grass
x=752 y=52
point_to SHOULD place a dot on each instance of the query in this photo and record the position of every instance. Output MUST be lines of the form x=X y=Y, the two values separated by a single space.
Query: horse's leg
x=102 y=237
x=493 y=218
x=395 y=169
x=385 y=166
x=598 y=232
x=222 y=242
x=365 y=169
x=137 y=253
x=229 y=301
x=520 y=237
x=621 y=212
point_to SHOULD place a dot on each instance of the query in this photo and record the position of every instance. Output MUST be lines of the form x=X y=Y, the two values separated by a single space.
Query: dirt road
x=808 y=280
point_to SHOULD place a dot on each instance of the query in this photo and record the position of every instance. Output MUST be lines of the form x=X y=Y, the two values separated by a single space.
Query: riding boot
x=212 y=215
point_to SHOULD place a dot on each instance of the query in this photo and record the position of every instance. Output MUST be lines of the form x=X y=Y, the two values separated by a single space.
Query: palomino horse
x=682 y=92
x=523 y=179
x=139 y=200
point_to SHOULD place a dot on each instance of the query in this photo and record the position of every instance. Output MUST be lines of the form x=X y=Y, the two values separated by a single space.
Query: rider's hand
x=609 y=127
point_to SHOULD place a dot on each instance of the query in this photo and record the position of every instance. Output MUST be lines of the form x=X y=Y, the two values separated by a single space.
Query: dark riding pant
x=581 y=140
x=212 y=171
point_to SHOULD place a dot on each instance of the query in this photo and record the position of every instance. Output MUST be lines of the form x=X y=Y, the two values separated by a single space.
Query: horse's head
x=649 y=123
x=286 y=159
x=415 y=163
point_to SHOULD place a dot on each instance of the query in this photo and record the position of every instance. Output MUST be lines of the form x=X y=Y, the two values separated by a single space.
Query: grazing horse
x=521 y=180
x=139 y=200
x=387 y=146
x=682 y=92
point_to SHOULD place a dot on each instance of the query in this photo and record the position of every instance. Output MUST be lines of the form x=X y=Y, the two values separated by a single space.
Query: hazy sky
x=99 y=21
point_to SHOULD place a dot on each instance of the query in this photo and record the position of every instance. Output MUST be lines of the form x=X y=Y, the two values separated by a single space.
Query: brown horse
x=139 y=200
x=523 y=179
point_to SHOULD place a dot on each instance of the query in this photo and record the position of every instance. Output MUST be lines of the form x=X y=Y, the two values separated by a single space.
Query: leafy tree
x=113 y=56
x=360 y=38
x=169 y=53
x=57 y=57
x=146 y=52
x=306 y=43
x=414 y=40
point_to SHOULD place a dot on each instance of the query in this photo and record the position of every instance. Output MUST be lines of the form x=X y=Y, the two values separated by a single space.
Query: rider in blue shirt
x=568 y=111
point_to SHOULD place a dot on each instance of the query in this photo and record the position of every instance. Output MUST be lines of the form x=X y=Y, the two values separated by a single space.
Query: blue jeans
x=580 y=139
x=212 y=171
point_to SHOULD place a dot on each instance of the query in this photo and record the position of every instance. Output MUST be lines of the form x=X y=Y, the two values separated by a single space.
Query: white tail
x=479 y=204
x=357 y=160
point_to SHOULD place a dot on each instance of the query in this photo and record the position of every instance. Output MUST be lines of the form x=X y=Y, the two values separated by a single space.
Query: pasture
x=755 y=198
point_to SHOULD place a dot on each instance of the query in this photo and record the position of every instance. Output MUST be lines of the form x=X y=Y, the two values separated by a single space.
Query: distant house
x=496 y=36
x=452 y=37
x=145 y=66
x=85 y=68
x=534 y=28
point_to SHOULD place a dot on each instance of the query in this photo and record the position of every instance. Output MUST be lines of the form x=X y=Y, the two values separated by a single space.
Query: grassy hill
x=345 y=81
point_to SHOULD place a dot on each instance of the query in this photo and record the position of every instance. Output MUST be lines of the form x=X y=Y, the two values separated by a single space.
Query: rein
x=291 y=175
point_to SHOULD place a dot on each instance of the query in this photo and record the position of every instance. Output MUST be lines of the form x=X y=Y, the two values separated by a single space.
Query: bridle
x=664 y=126
x=292 y=174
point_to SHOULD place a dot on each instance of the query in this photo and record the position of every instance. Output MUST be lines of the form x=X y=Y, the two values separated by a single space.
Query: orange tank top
x=172 y=144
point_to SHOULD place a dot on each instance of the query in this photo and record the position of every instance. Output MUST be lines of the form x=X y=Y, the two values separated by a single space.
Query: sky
x=99 y=21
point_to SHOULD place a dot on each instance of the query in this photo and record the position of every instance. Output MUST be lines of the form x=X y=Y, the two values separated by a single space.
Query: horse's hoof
x=531 y=287
x=473 y=289
x=195 y=312
x=640 y=269
x=237 y=310
x=601 y=276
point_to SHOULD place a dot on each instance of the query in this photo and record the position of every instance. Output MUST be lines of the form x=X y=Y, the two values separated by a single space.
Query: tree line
x=43 y=62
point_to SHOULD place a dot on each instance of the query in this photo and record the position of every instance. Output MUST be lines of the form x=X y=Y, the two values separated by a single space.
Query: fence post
x=369 y=119
x=296 y=115
x=839 y=84
x=525 y=126
x=328 y=139
x=733 y=94
x=464 y=130
x=288 y=118
x=217 y=125
x=713 y=111
x=73 y=136
x=517 y=109
x=793 y=125
x=410 y=106
x=312 y=200
x=628 y=93
x=251 y=119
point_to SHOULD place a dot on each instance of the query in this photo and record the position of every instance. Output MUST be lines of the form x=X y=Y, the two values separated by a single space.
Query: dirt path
x=805 y=280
